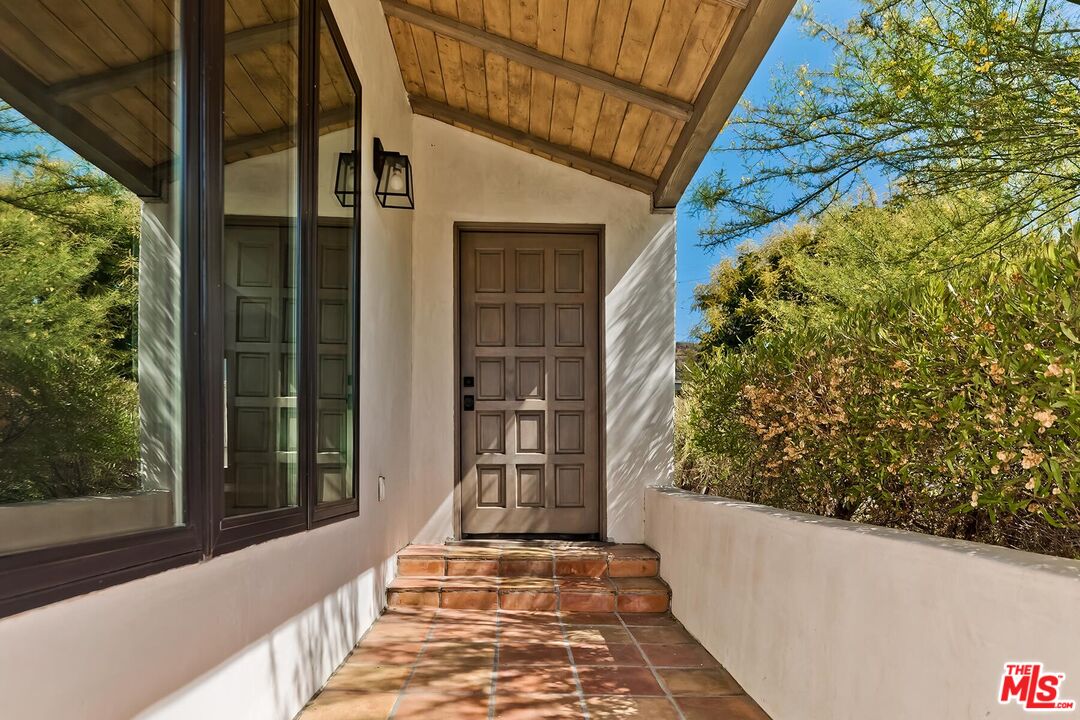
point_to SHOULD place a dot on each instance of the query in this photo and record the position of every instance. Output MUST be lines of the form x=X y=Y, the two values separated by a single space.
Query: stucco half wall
x=822 y=619
x=465 y=178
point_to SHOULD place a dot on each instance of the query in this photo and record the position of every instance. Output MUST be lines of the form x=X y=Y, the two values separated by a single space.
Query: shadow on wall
x=292 y=646
x=640 y=377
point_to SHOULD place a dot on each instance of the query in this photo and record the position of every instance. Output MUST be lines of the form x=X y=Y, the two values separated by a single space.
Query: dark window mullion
x=307 y=385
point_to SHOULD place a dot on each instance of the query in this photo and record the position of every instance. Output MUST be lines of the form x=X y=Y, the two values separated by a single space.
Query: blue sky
x=790 y=50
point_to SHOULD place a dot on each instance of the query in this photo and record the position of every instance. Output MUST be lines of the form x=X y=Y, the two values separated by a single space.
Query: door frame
x=598 y=231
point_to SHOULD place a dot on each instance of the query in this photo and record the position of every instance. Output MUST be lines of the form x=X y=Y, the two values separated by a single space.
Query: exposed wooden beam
x=80 y=88
x=580 y=74
x=609 y=171
x=749 y=40
x=258 y=141
x=32 y=98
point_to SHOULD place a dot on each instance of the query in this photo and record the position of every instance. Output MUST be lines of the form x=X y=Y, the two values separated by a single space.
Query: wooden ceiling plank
x=610 y=24
x=523 y=21
x=498 y=91
x=453 y=73
x=497 y=17
x=637 y=39
x=652 y=142
x=608 y=124
x=31 y=97
x=472 y=59
x=563 y=110
x=411 y=74
x=746 y=45
x=450 y=58
x=519 y=99
x=284 y=137
x=541 y=100
x=62 y=42
x=427 y=50
x=249 y=97
x=702 y=38
x=633 y=127
x=278 y=89
x=586 y=115
x=160 y=17
x=665 y=151
x=551 y=33
x=525 y=54
x=440 y=111
x=106 y=81
x=580 y=23
x=671 y=33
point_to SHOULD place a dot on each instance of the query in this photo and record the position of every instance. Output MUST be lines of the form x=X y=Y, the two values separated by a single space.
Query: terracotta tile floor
x=445 y=664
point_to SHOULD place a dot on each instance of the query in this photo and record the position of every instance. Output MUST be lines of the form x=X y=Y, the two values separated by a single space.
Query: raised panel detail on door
x=569 y=271
x=569 y=325
x=530 y=431
x=569 y=432
x=489 y=271
x=569 y=378
x=529 y=271
x=490 y=379
x=491 y=489
x=490 y=433
x=530 y=378
x=530 y=486
x=569 y=486
x=529 y=338
x=529 y=325
x=490 y=326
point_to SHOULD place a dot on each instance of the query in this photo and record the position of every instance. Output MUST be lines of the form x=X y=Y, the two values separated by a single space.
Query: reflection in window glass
x=260 y=261
x=90 y=254
x=336 y=280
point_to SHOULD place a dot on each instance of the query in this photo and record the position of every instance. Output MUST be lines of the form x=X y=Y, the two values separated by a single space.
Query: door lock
x=470 y=403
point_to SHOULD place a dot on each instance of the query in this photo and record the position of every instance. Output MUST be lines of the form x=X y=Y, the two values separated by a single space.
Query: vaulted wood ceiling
x=633 y=91
x=99 y=75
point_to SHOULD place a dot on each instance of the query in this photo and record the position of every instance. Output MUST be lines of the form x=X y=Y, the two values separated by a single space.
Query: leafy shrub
x=949 y=408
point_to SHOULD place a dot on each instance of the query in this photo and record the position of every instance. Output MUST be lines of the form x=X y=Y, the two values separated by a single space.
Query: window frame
x=42 y=576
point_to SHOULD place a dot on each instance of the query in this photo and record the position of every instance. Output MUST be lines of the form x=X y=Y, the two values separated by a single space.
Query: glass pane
x=90 y=256
x=336 y=276
x=260 y=260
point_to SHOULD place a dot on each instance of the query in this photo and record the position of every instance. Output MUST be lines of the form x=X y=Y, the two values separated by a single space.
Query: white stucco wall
x=463 y=177
x=253 y=634
x=823 y=619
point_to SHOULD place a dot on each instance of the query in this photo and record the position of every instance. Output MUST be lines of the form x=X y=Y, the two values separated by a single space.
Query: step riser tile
x=470 y=599
x=472 y=568
x=633 y=568
x=413 y=567
x=396 y=598
x=542 y=601
x=650 y=603
x=577 y=567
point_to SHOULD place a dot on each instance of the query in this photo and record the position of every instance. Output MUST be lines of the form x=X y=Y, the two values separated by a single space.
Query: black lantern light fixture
x=393 y=178
x=345 y=184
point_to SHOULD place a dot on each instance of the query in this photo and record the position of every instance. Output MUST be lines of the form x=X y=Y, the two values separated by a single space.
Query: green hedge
x=951 y=409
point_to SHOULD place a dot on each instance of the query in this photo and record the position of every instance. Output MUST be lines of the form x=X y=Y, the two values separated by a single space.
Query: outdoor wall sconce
x=393 y=178
x=345 y=184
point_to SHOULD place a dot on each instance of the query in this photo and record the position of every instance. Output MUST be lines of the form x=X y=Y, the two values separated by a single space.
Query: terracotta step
x=510 y=560
x=628 y=595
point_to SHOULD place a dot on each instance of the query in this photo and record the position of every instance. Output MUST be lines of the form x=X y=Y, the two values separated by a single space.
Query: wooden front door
x=529 y=400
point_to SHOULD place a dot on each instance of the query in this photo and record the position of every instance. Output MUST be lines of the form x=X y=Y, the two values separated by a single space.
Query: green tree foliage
x=940 y=97
x=68 y=293
x=817 y=272
x=950 y=407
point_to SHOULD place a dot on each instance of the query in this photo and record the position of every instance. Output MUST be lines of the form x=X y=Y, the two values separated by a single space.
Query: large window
x=178 y=285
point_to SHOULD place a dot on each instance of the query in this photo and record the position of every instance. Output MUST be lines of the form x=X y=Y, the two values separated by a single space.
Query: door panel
x=530 y=329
